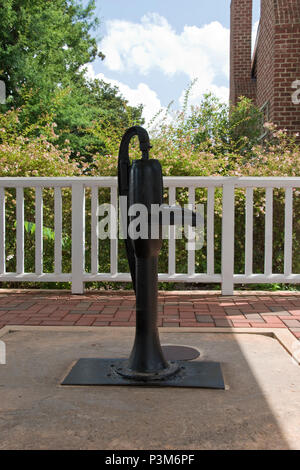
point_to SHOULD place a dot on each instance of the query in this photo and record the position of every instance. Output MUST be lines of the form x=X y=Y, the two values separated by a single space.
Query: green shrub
x=206 y=140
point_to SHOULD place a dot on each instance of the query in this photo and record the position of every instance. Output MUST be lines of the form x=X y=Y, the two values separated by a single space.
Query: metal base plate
x=94 y=371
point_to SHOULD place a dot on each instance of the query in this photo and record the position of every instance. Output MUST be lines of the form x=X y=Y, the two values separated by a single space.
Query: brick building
x=269 y=76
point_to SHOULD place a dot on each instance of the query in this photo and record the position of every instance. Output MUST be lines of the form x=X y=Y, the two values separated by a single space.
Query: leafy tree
x=44 y=47
x=245 y=125
x=223 y=129
x=211 y=126
x=93 y=118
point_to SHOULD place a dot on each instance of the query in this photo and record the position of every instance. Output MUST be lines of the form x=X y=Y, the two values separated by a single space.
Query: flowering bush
x=24 y=154
x=204 y=140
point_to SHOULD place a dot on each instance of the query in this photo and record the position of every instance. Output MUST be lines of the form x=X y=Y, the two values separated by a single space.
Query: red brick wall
x=240 y=50
x=277 y=63
x=286 y=63
x=265 y=61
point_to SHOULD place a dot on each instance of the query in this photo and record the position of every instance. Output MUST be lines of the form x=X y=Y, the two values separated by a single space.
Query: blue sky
x=155 y=48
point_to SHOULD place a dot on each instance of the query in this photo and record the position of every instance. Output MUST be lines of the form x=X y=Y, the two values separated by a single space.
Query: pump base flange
x=95 y=371
x=127 y=373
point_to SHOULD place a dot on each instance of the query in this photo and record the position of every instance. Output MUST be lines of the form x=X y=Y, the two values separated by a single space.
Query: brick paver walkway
x=187 y=309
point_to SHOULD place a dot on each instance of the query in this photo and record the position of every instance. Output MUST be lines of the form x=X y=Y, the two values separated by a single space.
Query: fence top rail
x=268 y=182
x=238 y=181
x=169 y=181
x=62 y=182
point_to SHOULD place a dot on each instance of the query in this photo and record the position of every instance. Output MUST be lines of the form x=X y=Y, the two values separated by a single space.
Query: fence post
x=2 y=232
x=78 y=237
x=228 y=237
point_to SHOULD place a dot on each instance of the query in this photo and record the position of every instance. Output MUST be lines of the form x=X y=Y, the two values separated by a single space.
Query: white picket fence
x=79 y=276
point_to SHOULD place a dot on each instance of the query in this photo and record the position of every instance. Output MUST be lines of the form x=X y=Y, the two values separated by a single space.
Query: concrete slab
x=259 y=410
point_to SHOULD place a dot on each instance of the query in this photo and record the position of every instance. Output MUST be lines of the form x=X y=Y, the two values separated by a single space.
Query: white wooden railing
x=78 y=276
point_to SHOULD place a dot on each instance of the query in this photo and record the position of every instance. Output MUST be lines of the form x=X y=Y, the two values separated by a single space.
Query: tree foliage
x=44 y=48
x=43 y=45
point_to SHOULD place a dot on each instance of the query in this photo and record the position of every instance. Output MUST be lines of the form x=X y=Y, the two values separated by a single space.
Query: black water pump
x=141 y=183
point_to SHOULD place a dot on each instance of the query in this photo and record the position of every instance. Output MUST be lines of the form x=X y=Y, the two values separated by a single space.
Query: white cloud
x=153 y=44
x=143 y=94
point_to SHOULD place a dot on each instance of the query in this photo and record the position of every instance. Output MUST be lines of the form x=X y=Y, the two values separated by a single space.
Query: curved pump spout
x=123 y=184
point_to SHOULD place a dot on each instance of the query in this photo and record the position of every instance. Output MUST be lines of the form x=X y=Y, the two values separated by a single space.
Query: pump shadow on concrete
x=260 y=409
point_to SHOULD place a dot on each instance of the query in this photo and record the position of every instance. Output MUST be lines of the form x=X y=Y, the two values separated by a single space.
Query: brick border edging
x=160 y=292
x=190 y=309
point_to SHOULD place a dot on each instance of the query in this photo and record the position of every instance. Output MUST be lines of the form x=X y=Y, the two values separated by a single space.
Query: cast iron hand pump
x=142 y=183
